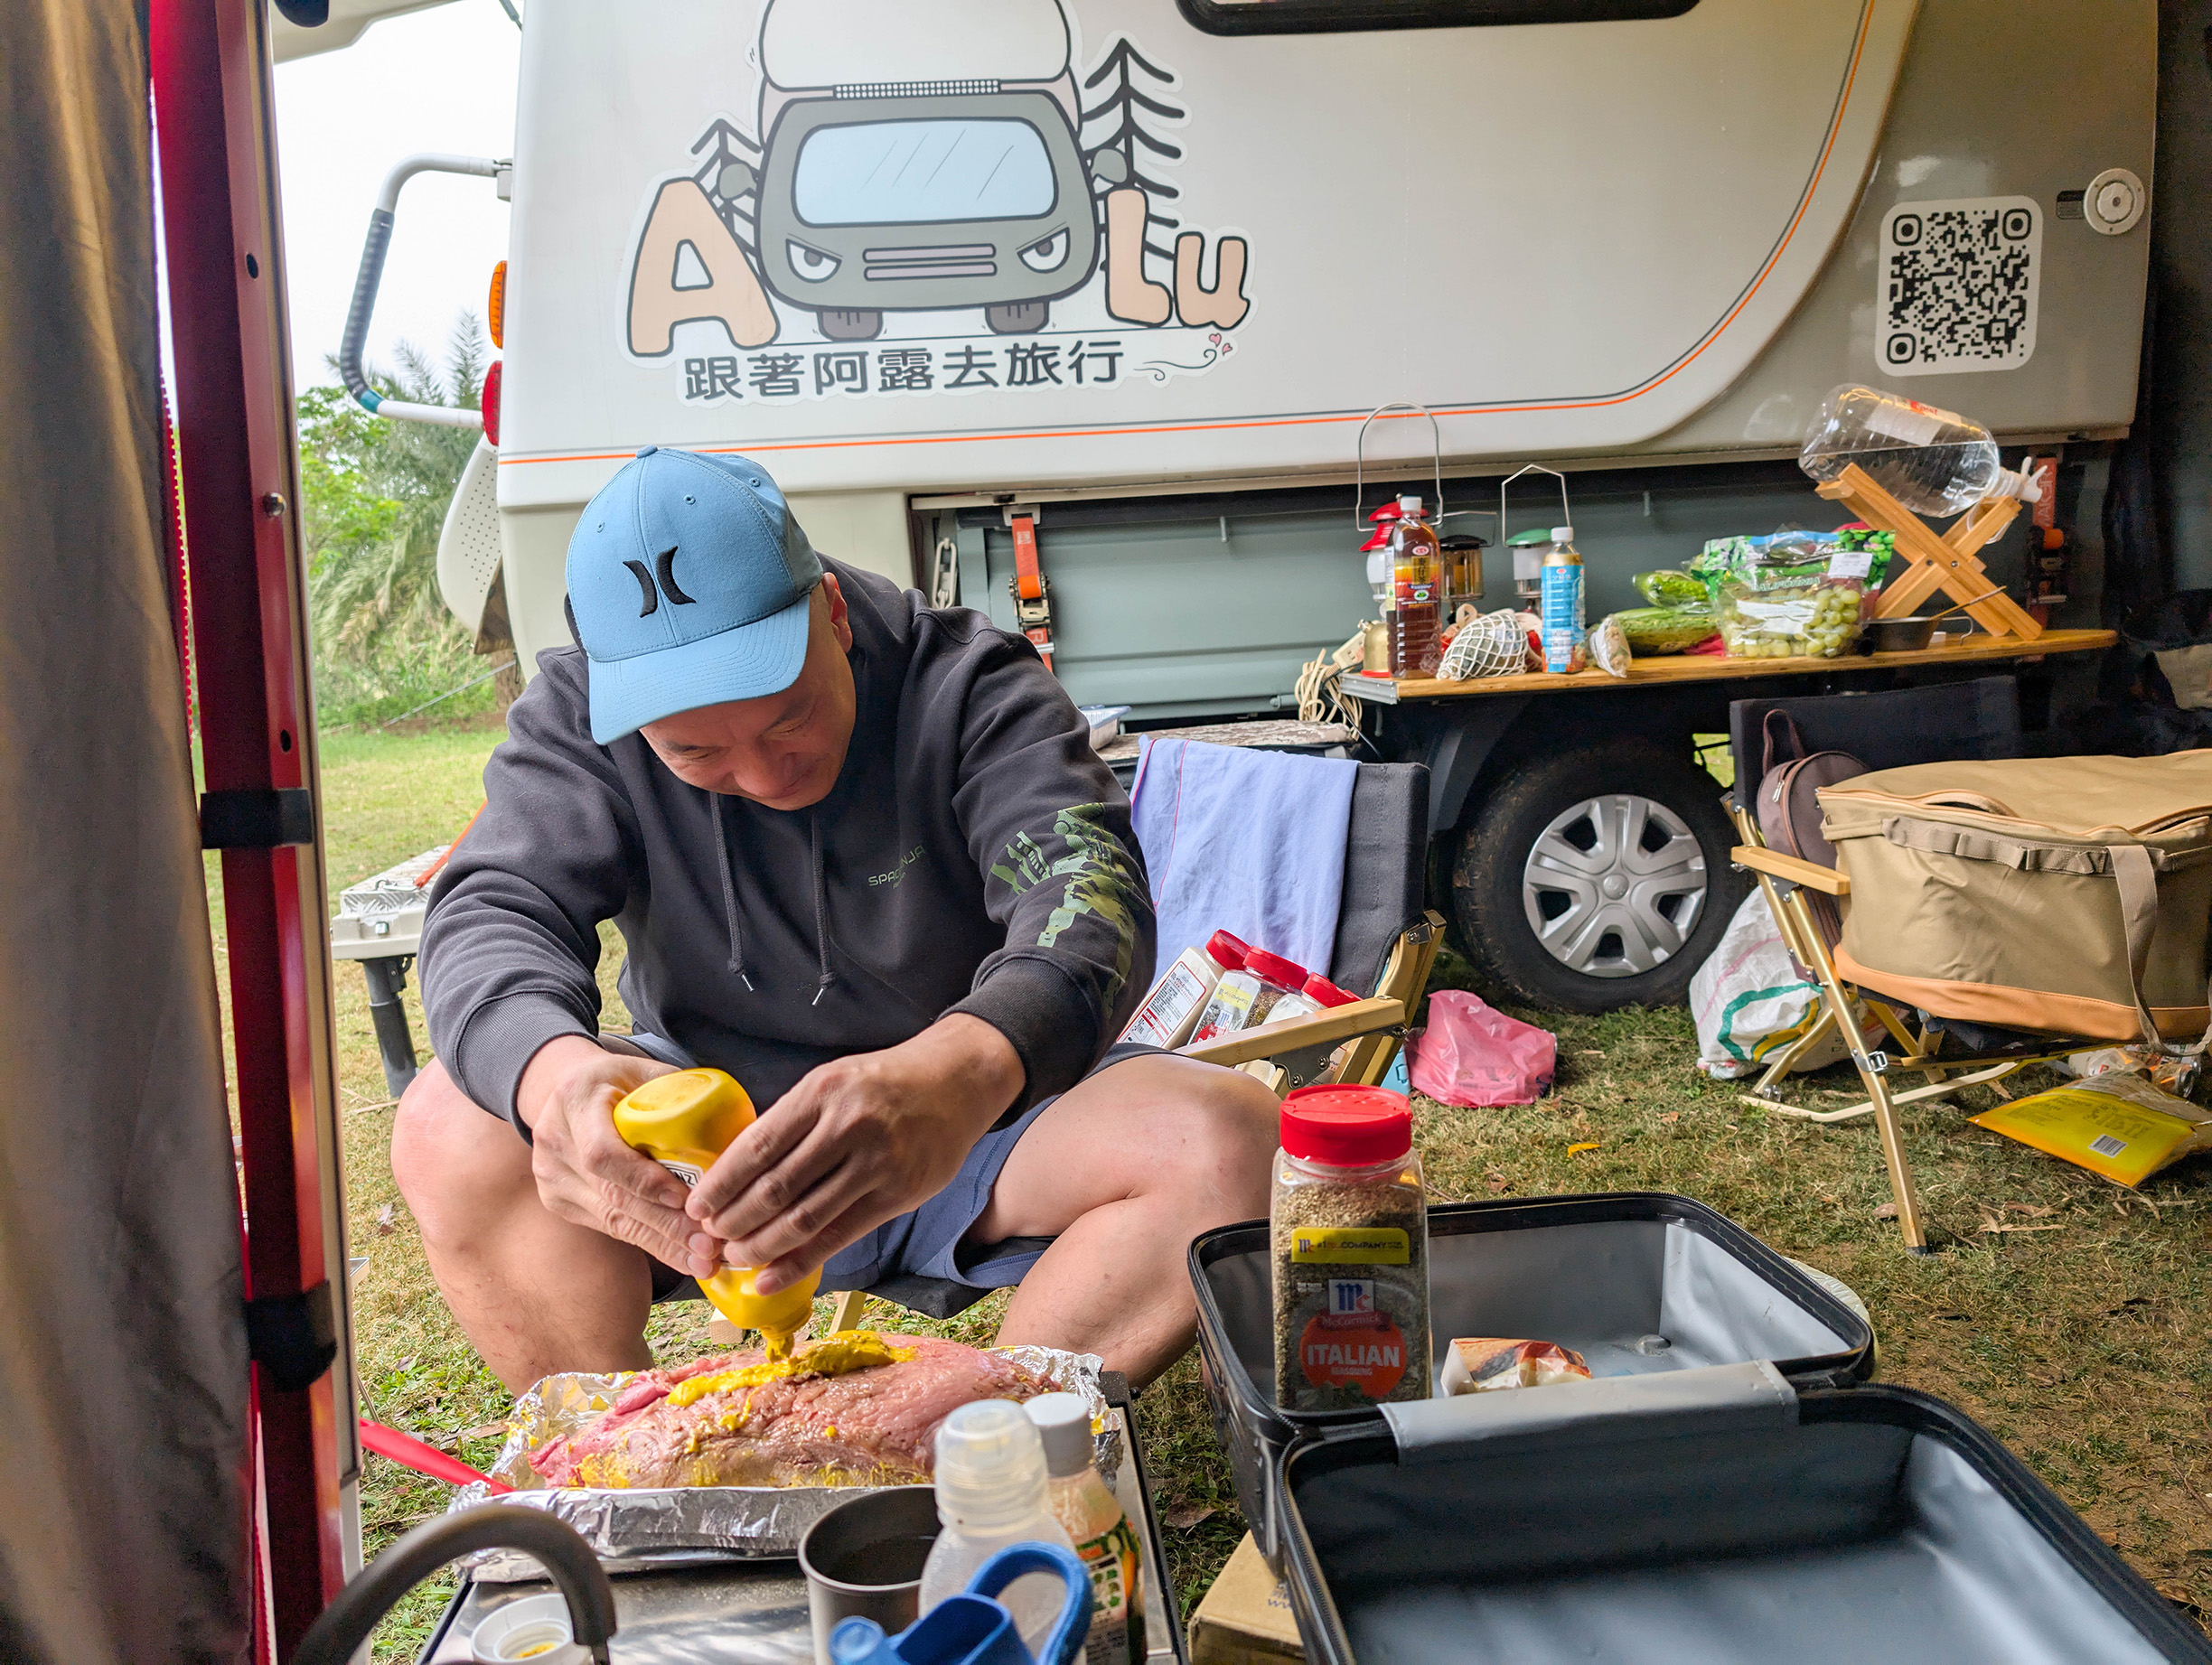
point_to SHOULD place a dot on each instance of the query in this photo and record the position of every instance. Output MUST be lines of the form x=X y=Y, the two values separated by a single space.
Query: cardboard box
x=1245 y=1619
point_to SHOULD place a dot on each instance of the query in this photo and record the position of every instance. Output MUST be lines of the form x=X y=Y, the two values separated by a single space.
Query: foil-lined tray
x=635 y=1529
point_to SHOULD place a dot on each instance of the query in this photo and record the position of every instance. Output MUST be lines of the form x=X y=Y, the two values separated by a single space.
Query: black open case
x=1739 y=1493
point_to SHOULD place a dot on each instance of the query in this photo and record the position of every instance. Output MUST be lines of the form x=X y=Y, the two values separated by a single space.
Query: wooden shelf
x=1710 y=667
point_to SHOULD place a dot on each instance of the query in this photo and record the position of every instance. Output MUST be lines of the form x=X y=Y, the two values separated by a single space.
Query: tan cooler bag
x=2066 y=894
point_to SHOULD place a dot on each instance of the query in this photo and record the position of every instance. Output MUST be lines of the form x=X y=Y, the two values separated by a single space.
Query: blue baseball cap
x=688 y=586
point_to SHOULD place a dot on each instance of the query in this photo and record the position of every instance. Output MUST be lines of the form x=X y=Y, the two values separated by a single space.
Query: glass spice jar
x=1349 y=1233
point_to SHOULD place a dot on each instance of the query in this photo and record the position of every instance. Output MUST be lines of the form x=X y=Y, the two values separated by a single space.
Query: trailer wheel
x=1597 y=879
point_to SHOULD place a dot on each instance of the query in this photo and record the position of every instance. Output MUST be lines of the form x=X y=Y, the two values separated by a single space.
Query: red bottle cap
x=1346 y=1127
x=1384 y=515
x=1224 y=949
x=1323 y=992
x=1274 y=969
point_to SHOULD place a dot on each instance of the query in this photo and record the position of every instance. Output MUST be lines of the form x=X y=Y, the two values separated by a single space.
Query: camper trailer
x=1139 y=272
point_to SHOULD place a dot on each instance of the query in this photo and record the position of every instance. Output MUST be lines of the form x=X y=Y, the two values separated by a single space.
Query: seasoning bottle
x=1415 y=601
x=993 y=1492
x=1565 y=623
x=1282 y=990
x=1349 y=1231
x=1230 y=1005
x=1094 y=1517
x=1171 y=1011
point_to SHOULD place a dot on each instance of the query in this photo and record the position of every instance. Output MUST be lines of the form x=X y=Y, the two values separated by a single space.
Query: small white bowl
x=534 y=1629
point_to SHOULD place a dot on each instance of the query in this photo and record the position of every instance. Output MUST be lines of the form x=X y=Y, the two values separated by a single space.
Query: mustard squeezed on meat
x=833 y=1355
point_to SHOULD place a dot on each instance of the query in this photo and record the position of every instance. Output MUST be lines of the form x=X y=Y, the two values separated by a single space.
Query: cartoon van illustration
x=908 y=166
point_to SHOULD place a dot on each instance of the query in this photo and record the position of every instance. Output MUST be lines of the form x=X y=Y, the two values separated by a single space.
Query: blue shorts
x=926 y=1242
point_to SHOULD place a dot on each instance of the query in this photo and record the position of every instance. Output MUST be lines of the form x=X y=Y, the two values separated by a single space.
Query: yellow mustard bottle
x=683 y=1122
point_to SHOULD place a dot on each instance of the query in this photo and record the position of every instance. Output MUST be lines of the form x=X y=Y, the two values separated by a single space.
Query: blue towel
x=1248 y=842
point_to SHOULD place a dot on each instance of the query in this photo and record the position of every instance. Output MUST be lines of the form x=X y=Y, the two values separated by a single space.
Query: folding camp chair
x=1976 y=720
x=1386 y=941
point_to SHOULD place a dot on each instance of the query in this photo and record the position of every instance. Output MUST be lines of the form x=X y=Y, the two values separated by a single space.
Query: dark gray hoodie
x=974 y=856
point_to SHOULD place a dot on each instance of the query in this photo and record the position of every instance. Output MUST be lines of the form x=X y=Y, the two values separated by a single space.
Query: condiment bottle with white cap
x=993 y=1491
x=1094 y=1519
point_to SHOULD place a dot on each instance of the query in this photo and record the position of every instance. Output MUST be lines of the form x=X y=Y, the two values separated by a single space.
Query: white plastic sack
x=1749 y=1001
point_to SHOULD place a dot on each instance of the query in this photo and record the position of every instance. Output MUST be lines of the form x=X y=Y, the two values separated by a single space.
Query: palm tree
x=376 y=494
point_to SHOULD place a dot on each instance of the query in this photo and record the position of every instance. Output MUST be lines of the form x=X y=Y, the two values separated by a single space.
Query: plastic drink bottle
x=684 y=1121
x=993 y=1491
x=1565 y=624
x=1094 y=1519
x=1934 y=461
x=1416 y=597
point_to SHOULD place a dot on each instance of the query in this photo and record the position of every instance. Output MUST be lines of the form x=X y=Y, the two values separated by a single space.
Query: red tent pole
x=234 y=435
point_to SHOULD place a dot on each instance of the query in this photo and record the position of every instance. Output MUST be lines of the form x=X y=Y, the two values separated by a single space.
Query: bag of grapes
x=1795 y=595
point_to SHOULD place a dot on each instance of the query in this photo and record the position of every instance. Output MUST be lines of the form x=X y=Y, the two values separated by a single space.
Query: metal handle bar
x=1565 y=514
x=1359 y=472
x=372 y=274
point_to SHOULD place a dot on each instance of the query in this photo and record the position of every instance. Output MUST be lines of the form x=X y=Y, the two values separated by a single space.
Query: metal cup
x=863 y=1560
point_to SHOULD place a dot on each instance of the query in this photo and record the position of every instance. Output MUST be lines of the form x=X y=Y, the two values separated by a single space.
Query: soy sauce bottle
x=1415 y=562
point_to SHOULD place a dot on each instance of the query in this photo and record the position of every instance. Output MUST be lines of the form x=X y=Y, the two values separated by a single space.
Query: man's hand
x=584 y=1172
x=858 y=1141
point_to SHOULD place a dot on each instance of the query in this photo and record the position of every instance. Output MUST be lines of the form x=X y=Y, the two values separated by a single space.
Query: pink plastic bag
x=1470 y=1054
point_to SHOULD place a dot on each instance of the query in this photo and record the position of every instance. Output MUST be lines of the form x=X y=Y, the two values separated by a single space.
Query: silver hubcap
x=1614 y=886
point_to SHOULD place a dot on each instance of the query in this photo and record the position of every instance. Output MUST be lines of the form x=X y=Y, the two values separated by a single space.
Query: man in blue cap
x=863 y=858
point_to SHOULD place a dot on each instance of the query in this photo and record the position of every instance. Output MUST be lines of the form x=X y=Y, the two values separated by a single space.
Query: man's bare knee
x=1226 y=1126
x=455 y=1163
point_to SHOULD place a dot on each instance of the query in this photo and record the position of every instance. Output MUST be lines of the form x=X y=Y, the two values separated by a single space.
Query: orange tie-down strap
x=1031 y=595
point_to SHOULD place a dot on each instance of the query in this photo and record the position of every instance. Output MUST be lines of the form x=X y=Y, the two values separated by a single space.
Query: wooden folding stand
x=1947 y=561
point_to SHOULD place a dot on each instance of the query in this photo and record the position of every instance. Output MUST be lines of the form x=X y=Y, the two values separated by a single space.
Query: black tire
x=1493 y=884
x=1019 y=317
x=851 y=324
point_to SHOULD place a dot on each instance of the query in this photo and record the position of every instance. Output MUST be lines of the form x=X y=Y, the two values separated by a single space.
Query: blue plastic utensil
x=973 y=1629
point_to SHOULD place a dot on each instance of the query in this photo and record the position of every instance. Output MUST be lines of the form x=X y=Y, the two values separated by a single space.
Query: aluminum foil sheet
x=636 y=1529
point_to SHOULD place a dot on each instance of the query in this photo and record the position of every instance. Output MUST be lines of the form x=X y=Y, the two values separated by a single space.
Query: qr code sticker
x=1958 y=285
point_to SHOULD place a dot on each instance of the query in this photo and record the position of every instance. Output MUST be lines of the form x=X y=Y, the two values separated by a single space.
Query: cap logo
x=649 y=594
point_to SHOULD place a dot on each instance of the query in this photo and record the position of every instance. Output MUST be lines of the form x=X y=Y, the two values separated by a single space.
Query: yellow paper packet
x=2117 y=1125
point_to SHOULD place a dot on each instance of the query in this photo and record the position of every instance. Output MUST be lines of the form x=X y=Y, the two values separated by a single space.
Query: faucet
x=347 y=1621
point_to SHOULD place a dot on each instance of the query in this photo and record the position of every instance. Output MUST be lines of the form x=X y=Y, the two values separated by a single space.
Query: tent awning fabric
x=123 y=1365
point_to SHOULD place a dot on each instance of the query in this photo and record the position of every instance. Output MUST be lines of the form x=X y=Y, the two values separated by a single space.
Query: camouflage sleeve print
x=1096 y=877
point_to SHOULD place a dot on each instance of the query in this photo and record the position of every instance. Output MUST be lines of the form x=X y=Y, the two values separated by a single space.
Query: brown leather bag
x=1789 y=815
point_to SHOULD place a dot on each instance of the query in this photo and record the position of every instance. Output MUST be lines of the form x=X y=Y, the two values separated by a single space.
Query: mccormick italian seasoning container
x=1350 y=1236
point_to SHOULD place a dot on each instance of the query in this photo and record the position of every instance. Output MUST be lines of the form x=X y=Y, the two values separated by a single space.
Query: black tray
x=1856 y=1523
x=1595 y=1273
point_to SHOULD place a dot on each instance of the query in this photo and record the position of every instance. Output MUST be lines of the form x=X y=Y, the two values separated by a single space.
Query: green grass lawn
x=2085 y=1348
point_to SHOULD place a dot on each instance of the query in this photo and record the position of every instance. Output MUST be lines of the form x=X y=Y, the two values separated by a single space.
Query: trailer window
x=1328 y=16
x=918 y=173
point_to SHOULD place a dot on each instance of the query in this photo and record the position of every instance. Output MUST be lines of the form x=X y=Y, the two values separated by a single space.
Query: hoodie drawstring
x=729 y=895
x=821 y=913
x=729 y=903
